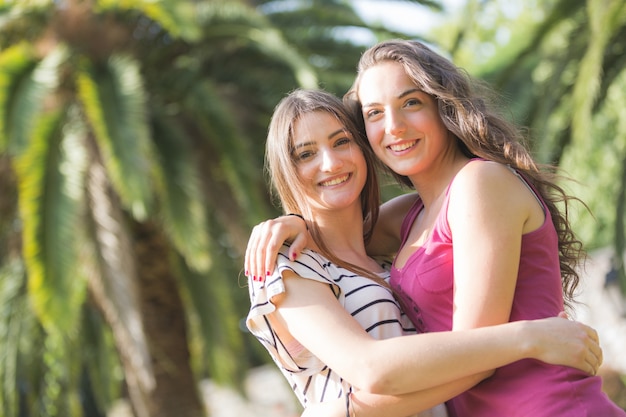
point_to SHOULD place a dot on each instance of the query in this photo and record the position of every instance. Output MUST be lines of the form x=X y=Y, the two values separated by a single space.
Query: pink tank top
x=527 y=388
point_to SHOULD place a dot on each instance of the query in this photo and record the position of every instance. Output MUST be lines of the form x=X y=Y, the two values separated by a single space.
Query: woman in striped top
x=330 y=321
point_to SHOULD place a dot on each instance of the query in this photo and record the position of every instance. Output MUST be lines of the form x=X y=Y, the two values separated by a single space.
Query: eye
x=371 y=114
x=343 y=141
x=304 y=155
x=413 y=102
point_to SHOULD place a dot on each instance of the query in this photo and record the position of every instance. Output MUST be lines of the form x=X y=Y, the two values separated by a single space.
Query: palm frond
x=177 y=18
x=48 y=213
x=114 y=102
x=24 y=85
x=221 y=341
x=237 y=21
x=218 y=127
x=14 y=310
x=182 y=204
x=21 y=20
x=603 y=21
x=100 y=362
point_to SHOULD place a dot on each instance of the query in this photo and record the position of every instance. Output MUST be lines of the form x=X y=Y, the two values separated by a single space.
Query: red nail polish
x=267 y=273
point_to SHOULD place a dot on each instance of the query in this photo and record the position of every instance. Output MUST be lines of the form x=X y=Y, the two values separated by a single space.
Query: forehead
x=317 y=125
x=386 y=79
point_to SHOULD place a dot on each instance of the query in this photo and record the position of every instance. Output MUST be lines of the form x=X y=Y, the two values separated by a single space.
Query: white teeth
x=402 y=146
x=335 y=181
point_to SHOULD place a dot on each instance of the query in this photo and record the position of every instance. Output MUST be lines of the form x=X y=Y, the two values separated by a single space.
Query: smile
x=335 y=181
x=399 y=147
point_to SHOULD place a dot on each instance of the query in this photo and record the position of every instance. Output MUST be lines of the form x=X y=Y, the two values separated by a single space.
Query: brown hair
x=466 y=109
x=284 y=177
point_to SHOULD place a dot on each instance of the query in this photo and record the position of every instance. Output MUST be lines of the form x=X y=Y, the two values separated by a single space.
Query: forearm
x=365 y=404
x=422 y=361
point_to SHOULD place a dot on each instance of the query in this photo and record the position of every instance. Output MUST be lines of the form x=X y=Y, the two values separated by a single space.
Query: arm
x=310 y=313
x=490 y=209
x=365 y=404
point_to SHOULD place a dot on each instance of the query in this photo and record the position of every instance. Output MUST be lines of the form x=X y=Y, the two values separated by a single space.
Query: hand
x=566 y=342
x=267 y=238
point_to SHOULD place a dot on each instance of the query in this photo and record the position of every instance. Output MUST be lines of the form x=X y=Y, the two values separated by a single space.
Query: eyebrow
x=333 y=134
x=401 y=95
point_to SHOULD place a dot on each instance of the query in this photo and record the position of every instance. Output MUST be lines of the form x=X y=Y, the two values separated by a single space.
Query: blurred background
x=131 y=172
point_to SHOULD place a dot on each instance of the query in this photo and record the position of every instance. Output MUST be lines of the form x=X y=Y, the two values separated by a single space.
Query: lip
x=335 y=180
x=402 y=146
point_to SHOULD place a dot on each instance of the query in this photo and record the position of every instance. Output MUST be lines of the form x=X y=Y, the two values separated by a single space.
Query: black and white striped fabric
x=371 y=304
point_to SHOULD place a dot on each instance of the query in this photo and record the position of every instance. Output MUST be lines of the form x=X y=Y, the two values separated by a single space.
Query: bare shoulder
x=490 y=191
x=484 y=178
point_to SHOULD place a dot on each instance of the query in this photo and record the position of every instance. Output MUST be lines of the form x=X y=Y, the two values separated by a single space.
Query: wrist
x=297 y=215
x=528 y=339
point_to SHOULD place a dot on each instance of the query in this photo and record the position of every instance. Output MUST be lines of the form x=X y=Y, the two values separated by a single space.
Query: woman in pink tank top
x=482 y=241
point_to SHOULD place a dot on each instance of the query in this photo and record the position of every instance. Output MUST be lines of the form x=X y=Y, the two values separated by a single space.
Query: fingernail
x=247 y=273
x=267 y=273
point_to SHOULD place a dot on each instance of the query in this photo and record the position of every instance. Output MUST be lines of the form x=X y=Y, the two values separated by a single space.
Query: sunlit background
x=131 y=152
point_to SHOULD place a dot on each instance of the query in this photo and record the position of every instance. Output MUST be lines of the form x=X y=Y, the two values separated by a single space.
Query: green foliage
x=182 y=200
x=13 y=314
x=21 y=94
x=113 y=98
x=48 y=213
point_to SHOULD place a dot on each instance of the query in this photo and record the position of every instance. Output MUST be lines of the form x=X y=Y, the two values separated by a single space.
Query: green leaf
x=178 y=18
x=182 y=203
x=49 y=215
x=114 y=103
x=24 y=84
x=13 y=314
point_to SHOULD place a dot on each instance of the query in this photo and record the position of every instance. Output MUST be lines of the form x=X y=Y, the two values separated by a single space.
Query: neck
x=432 y=182
x=342 y=232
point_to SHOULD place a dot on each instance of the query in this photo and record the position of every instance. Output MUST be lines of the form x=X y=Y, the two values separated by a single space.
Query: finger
x=264 y=238
x=595 y=356
x=297 y=246
x=251 y=251
x=249 y=256
x=263 y=241
x=270 y=253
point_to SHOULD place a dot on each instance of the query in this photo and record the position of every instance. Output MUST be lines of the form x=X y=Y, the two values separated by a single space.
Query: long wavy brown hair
x=467 y=108
x=283 y=175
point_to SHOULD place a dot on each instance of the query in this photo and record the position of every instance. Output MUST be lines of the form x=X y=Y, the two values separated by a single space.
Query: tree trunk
x=164 y=321
x=135 y=289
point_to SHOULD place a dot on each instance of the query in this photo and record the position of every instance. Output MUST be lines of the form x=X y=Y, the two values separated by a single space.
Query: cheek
x=373 y=131
x=305 y=172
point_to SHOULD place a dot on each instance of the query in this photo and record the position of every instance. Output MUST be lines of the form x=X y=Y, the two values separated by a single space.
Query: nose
x=394 y=123
x=330 y=161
